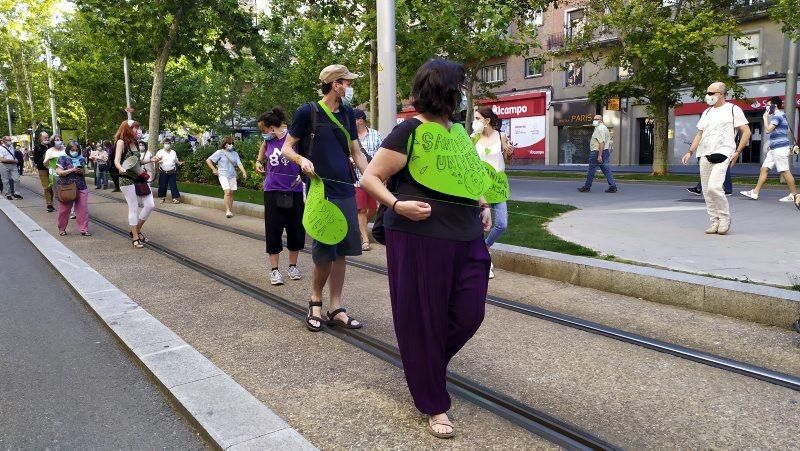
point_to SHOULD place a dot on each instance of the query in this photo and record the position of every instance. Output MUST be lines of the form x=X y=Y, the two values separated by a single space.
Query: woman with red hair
x=133 y=179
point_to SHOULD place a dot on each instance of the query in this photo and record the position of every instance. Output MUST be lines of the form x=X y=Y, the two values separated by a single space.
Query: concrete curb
x=751 y=302
x=223 y=409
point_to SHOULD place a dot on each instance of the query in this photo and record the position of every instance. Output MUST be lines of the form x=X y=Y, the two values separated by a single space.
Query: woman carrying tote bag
x=71 y=190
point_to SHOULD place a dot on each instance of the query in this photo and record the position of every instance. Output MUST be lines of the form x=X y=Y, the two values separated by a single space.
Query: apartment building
x=544 y=104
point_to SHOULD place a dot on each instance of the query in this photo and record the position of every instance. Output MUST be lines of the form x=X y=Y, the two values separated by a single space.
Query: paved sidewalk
x=663 y=225
x=65 y=382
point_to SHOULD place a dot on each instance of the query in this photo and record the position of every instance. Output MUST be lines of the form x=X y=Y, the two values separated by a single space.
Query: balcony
x=559 y=41
x=751 y=9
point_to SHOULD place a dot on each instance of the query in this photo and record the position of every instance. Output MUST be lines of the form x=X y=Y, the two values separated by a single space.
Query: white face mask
x=348 y=95
x=478 y=126
x=229 y=146
x=711 y=100
x=58 y=144
x=167 y=146
x=595 y=123
x=138 y=133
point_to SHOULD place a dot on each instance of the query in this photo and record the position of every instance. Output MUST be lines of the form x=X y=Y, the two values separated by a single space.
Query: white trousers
x=712 y=177
x=132 y=199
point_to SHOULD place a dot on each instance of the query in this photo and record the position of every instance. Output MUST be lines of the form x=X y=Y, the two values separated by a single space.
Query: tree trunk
x=373 y=83
x=660 y=137
x=159 y=68
x=469 y=84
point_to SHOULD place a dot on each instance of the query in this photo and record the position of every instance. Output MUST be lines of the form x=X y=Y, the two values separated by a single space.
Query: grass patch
x=637 y=177
x=526 y=227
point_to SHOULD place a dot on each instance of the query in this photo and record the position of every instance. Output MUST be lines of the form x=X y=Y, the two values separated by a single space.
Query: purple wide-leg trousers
x=438 y=291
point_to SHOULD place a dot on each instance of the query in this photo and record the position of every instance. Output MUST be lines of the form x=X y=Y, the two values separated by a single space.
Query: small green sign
x=499 y=191
x=323 y=220
x=447 y=162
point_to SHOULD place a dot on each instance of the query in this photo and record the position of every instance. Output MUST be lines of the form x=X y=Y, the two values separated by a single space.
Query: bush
x=195 y=170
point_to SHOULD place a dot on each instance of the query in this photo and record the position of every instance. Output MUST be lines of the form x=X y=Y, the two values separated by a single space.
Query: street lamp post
x=51 y=85
x=128 y=108
x=387 y=67
x=791 y=84
x=8 y=107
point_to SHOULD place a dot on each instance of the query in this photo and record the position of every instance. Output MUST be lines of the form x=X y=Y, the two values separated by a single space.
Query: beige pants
x=712 y=176
x=44 y=179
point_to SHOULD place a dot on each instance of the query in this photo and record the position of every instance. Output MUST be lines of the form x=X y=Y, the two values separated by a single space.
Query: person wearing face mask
x=283 y=196
x=70 y=168
x=227 y=160
x=777 y=126
x=146 y=160
x=494 y=148
x=168 y=163
x=100 y=158
x=56 y=150
x=326 y=138
x=715 y=143
x=599 y=156
x=8 y=169
x=132 y=179
x=44 y=175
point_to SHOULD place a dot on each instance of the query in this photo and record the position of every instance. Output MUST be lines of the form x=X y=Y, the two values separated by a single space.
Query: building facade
x=760 y=67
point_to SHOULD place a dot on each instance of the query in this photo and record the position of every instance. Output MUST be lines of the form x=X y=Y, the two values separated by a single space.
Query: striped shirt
x=779 y=137
x=371 y=143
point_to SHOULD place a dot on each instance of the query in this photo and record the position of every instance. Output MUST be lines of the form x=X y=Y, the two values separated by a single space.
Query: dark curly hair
x=274 y=118
x=437 y=86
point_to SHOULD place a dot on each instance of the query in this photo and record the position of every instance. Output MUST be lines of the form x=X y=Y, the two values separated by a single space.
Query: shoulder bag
x=67 y=193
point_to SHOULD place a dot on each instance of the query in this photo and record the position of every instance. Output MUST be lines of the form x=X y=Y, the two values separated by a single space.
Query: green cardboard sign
x=447 y=162
x=499 y=190
x=323 y=220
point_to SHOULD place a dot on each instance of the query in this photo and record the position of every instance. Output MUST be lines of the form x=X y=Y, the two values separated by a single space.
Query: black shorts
x=276 y=220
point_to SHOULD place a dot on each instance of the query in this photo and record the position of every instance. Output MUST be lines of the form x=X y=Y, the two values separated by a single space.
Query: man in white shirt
x=9 y=174
x=715 y=143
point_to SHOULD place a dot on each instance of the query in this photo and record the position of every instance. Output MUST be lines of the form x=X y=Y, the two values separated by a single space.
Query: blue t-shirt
x=226 y=167
x=779 y=138
x=330 y=156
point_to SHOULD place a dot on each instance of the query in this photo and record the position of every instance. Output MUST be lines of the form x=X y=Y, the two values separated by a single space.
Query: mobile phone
x=772 y=109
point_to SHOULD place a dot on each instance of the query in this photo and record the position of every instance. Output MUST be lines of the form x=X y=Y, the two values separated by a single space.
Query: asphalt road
x=64 y=381
x=663 y=225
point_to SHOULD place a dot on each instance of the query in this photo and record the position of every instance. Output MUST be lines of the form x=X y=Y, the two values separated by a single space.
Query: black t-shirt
x=452 y=218
x=38 y=155
x=330 y=157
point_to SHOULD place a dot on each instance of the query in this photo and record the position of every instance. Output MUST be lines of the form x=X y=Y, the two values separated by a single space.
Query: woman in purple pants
x=437 y=259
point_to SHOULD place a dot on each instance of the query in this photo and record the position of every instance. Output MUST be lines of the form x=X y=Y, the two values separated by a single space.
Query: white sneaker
x=788 y=198
x=724 y=227
x=751 y=194
x=294 y=273
x=491 y=270
x=275 y=277
x=713 y=229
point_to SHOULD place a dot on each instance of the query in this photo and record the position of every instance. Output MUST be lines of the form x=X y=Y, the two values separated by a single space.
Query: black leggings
x=276 y=220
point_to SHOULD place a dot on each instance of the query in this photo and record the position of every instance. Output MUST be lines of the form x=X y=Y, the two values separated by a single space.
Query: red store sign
x=754 y=104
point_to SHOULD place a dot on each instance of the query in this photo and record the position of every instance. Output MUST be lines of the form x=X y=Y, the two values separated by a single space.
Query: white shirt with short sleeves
x=168 y=159
x=719 y=129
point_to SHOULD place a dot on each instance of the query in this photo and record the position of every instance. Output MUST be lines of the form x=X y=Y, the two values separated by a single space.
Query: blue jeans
x=170 y=180
x=604 y=166
x=500 y=222
x=101 y=175
x=727 y=185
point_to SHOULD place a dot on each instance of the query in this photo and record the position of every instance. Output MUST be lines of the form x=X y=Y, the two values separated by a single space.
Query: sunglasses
x=711 y=93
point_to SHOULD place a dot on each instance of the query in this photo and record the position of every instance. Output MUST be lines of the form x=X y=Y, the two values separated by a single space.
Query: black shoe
x=10 y=197
x=695 y=191
x=50 y=208
x=728 y=194
x=115 y=190
x=797 y=326
x=17 y=196
x=584 y=189
x=611 y=189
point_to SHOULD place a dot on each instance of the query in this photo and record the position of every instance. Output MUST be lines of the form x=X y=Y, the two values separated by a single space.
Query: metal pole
x=387 y=67
x=8 y=113
x=791 y=85
x=127 y=88
x=53 y=116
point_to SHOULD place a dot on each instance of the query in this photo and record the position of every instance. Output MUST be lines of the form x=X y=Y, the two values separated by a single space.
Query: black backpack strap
x=312 y=133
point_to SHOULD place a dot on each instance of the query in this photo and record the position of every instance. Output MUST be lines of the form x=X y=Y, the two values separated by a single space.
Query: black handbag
x=378 y=230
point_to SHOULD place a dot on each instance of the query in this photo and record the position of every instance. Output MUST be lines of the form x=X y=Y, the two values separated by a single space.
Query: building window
x=534 y=67
x=573 y=75
x=494 y=73
x=538 y=18
x=573 y=23
x=747 y=51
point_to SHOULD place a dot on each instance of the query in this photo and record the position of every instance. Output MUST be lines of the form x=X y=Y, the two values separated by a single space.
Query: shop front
x=573 y=123
x=522 y=118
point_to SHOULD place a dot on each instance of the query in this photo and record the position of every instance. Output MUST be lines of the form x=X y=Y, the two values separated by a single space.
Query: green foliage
x=194 y=168
x=787 y=13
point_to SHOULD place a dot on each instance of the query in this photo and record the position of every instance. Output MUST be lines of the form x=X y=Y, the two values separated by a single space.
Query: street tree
x=787 y=13
x=663 y=48
x=152 y=31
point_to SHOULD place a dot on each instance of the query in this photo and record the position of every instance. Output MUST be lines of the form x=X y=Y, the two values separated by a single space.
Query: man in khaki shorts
x=777 y=126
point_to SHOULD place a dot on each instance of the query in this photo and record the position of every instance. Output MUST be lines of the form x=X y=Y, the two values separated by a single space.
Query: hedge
x=194 y=167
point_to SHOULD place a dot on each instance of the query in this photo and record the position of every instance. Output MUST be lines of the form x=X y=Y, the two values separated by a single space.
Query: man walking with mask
x=44 y=174
x=8 y=169
x=326 y=136
x=715 y=143
x=599 y=155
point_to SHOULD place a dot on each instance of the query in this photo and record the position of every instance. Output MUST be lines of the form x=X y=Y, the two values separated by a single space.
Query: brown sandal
x=433 y=423
x=310 y=317
x=137 y=244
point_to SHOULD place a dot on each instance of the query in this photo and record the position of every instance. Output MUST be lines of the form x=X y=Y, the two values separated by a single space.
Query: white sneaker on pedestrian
x=788 y=198
x=72 y=216
x=751 y=194
x=724 y=227
x=713 y=229
x=275 y=277
x=491 y=270
x=294 y=273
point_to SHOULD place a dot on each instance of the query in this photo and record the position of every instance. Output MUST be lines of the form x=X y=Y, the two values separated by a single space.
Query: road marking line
x=655 y=209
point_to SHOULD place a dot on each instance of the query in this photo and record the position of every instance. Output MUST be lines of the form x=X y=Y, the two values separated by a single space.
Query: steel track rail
x=525 y=416
x=694 y=355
